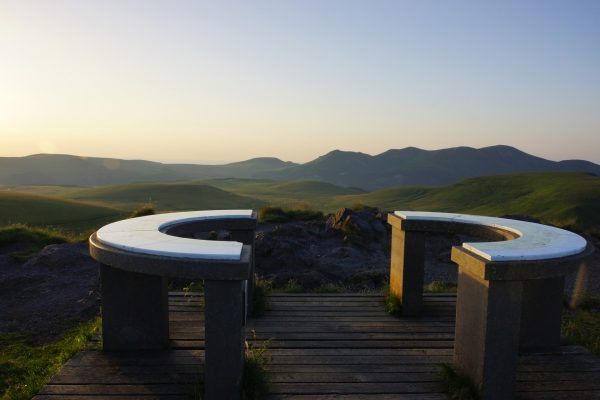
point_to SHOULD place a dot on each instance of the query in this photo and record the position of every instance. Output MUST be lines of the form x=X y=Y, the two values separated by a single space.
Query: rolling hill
x=397 y=167
x=287 y=193
x=165 y=197
x=50 y=211
x=563 y=199
x=560 y=198
x=60 y=169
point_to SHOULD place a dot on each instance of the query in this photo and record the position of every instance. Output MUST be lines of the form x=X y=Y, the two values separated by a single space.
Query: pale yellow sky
x=196 y=82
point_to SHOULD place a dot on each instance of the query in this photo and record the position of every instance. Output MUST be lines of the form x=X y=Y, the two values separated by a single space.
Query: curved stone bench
x=137 y=256
x=510 y=291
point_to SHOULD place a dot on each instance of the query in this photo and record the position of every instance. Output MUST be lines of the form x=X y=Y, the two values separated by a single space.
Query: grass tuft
x=143 y=210
x=459 y=386
x=262 y=288
x=392 y=304
x=25 y=367
x=292 y=286
x=256 y=378
x=328 y=288
x=582 y=325
x=440 y=287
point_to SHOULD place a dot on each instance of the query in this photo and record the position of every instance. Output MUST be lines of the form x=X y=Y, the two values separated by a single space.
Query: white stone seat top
x=534 y=241
x=145 y=235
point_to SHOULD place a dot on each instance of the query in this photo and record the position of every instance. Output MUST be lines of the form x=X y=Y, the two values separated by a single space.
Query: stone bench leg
x=488 y=315
x=407 y=269
x=135 y=313
x=247 y=237
x=541 y=313
x=224 y=340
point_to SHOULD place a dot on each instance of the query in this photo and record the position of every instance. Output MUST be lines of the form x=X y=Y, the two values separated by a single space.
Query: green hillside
x=48 y=211
x=564 y=199
x=165 y=197
x=289 y=193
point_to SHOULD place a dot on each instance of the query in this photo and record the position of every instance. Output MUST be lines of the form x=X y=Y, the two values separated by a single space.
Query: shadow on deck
x=324 y=346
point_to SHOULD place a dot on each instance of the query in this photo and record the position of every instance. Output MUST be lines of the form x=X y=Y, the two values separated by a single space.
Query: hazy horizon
x=206 y=82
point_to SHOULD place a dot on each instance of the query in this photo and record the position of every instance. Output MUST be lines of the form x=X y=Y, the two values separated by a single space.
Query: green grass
x=26 y=367
x=29 y=240
x=165 y=197
x=458 y=385
x=288 y=194
x=256 y=378
x=582 y=324
x=50 y=211
x=393 y=305
x=440 y=287
x=563 y=199
x=260 y=300
x=272 y=214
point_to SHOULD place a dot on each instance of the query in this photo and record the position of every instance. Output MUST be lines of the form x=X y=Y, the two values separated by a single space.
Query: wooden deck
x=323 y=346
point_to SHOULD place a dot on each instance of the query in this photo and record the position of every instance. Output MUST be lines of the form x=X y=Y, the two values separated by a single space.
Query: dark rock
x=57 y=287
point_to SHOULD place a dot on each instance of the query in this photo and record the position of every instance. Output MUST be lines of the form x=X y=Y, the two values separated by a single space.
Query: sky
x=215 y=81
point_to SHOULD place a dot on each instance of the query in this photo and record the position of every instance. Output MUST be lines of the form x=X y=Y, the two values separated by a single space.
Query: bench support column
x=224 y=340
x=247 y=237
x=541 y=313
x=488 y=315
x=407 y=269
x=134 y=310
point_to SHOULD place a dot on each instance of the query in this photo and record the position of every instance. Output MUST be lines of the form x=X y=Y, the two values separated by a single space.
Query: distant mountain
x=398 y=167
x=59 y=169
x=416 y=167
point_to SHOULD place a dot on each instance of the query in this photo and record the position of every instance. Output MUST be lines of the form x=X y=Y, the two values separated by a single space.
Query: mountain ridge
x=409 y=166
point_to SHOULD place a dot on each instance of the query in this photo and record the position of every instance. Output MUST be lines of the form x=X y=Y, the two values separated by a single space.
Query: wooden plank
x=334 y=346
x=365 y=387
x=109 y=389
x=379 y=396
x=163 y=396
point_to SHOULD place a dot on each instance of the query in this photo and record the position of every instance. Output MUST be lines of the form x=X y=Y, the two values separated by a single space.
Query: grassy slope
x=285 y=193
x=165 y=196
x=49 y=211
x=565 y=199
x=26 y=367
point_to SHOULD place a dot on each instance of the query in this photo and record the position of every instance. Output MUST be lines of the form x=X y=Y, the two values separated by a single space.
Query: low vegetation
x=564 y=199
x=262 y=288
x=271 y=214
x=256 y=377
x=582 y=324
x=45 y=211
x=21 y=241
x=143 y=210
x=393 y=305
x=25 y=367
x=458 y=385
x=440 y=287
